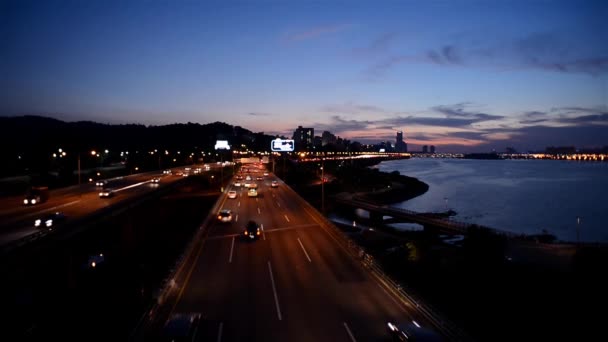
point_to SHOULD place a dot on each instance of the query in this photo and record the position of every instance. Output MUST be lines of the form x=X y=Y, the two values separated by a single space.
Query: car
x=252 y=231
x=106 y=193
x=237 y=184
x=232 y=194
x=181 y=327
x=50 y=220
x=274 y=184
x=259 y=178
x=413 y=332
x=239 y=177
x=248 y=178
x=225 y=215
x=155 y=180
x=101 y=183
x=252 y=192
x=96 y=260
x=167 y=172
x=265 y=174
x=247 y=184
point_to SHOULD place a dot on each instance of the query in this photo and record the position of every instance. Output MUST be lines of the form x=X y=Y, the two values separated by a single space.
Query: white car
x=237 y=184
x=265 y=174
x=231 y=194
x=253 y=192
x=274 y=184
x=225 y=215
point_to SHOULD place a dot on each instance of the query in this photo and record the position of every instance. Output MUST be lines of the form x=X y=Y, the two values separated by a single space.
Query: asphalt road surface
x=294 y=283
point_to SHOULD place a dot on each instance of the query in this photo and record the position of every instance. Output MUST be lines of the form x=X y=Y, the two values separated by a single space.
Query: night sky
x=460 y=75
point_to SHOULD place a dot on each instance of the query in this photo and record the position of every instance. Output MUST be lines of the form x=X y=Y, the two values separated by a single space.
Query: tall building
x=400 y=145
x=425 y=149
x=432 y=148
x=303 y=138
x=328 y=138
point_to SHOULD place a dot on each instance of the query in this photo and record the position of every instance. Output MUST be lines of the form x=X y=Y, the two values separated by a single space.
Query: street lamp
x=578 y=224
x=322 y=186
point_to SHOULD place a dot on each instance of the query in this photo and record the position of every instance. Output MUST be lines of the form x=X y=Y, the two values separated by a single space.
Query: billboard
x=282 y=145
x=222 y=145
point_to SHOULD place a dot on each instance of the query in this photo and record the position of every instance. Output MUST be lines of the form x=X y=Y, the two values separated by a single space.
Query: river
x=521 y=196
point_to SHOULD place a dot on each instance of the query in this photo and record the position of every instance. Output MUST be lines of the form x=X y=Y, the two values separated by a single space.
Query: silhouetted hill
x=29 y=141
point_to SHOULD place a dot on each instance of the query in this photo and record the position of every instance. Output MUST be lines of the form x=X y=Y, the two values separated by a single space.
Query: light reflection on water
x=522 y=196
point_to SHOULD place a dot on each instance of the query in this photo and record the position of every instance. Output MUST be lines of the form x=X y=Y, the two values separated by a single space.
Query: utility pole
x=322 y=186
x=578 y=230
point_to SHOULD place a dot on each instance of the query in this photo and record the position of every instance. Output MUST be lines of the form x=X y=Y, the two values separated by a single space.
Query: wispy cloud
x=459 y=110
x=379 y=45
x=315 y=32
x=352 y=108
x=549 y=51
x=258 y=114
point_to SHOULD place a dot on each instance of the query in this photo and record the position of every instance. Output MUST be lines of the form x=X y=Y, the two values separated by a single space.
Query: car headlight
x=25 y=201
x=33 y=201
x=100 y=194
x=37 y=222
x=49 y=223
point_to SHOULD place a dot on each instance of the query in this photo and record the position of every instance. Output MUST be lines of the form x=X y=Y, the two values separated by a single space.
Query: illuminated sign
x=280 y=145
x=222 y=145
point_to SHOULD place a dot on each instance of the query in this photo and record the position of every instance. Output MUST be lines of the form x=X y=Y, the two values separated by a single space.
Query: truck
x=36 y=195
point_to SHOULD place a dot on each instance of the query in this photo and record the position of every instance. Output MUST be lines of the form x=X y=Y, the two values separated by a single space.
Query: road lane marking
x=279 y=204
x=236 y=219
x=304 y=250
x=238 y=205
x=263 y=233
x=219 y=332
x=287 y=218
x=131 y=186
x=274 y=289
x=259 y=211
x=352 y=338
x=231 y=249
x=256 y=199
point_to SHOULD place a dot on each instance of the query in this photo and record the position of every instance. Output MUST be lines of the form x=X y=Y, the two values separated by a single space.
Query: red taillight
x=246 y=233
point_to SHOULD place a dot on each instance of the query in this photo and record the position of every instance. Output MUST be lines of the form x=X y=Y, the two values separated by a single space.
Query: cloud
x=258 y=114
x=563 y=52
x=377 y=46
x=338 y=125
x=315 y=32
x=448 y=54
x=458 y=110
x=352 y=108
x=594 y=118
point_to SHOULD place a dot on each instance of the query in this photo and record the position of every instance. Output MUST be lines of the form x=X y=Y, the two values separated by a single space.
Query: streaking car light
x=49 y=223
x=392 y=327
x=416 y=324
x=37 y=222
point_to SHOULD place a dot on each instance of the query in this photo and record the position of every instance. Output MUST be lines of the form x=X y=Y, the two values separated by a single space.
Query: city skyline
x=472 y=76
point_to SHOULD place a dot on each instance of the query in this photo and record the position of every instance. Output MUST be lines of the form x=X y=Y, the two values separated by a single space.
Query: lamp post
x=578 y=224
x=322 y=186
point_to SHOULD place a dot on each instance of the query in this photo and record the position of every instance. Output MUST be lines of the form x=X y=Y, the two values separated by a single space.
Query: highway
x=17 y=220
x=295 y=283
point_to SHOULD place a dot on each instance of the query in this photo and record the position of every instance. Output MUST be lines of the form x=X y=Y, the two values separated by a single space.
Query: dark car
x=413 y=332
x=50 y=220
x=106 y=193
x=181 y=327
x=252 y=231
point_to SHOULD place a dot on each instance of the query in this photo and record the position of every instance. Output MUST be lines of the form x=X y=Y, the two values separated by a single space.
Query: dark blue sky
x=461 y=75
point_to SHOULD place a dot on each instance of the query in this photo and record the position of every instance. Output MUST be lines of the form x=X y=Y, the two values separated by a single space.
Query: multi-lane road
x=75 y=202
x=295 y=283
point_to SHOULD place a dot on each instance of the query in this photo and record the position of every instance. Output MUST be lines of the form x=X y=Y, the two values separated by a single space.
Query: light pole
x=322 y=186
x=578 y=224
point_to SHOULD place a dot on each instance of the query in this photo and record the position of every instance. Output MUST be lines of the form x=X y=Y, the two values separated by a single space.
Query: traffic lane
x=307 y=302
x=367 y=305
x=232 y=289
x=77 y=205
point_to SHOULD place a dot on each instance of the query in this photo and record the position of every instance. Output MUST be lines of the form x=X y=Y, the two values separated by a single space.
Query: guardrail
x=449 y=329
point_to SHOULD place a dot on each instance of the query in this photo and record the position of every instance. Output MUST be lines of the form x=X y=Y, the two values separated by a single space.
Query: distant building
x=425 y=149
x=400 y=145
x=303 y=138
x=432 y=148
x=327 y=138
